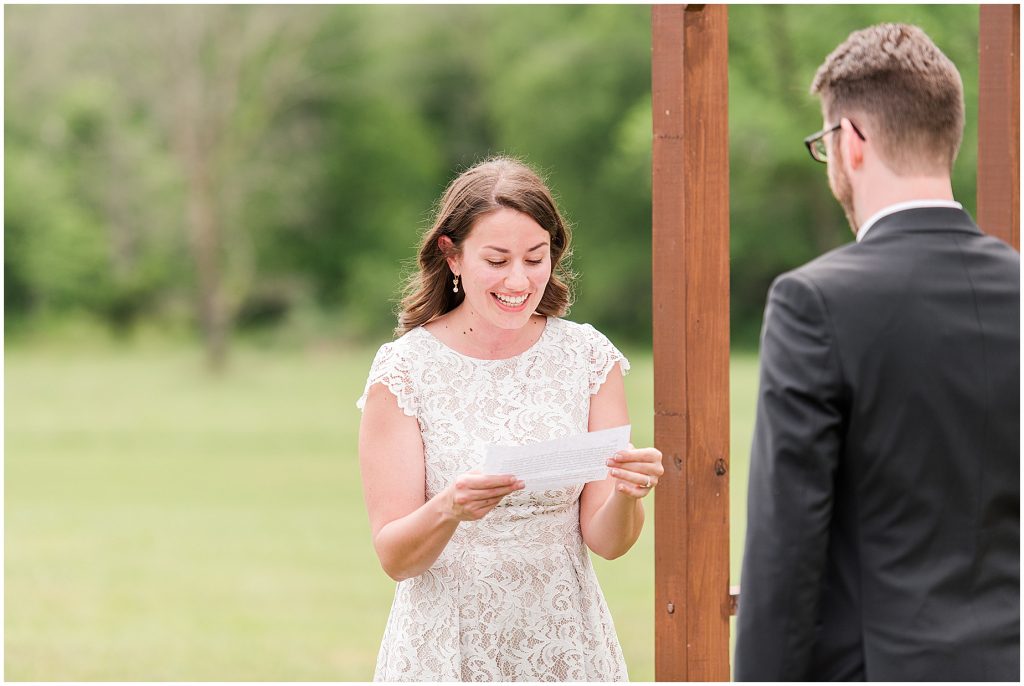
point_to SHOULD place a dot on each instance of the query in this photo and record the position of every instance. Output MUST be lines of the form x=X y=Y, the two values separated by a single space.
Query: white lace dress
x=513 y=596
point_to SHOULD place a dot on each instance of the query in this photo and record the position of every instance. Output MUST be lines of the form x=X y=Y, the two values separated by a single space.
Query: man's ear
x=447 y=248
x=853 y=146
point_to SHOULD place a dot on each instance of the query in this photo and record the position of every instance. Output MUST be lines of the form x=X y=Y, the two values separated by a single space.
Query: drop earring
x=455 y=283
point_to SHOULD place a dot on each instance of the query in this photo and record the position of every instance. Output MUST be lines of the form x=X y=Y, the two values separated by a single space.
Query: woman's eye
x=499 y=263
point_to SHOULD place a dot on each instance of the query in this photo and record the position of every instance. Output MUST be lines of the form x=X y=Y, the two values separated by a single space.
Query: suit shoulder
x=1000 y=249
x=821 y=272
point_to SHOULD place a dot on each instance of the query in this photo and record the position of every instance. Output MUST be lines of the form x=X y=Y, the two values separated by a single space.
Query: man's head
x=900 y=89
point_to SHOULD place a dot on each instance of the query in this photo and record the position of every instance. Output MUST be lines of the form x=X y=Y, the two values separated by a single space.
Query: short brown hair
x=486 y=187
x=909 y=91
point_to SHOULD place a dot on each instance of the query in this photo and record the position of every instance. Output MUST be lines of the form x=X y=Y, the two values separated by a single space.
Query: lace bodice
x=513 y=596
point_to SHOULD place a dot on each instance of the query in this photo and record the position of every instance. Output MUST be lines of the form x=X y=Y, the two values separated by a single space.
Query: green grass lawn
x=163 y=525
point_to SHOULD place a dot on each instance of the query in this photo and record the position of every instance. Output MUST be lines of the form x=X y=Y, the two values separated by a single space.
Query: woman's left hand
x=636 y=471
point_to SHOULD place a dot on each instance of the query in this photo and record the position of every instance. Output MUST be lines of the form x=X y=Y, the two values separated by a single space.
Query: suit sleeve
x=793 y=463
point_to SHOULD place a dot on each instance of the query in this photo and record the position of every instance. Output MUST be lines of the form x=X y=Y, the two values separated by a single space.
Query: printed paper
x=558 y=463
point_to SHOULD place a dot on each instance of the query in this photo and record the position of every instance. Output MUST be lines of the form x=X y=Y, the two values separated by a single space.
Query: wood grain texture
x=999 y=122
x=691 y=340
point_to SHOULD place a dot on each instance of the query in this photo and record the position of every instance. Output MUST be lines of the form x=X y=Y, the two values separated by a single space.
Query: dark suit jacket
x=883 y=522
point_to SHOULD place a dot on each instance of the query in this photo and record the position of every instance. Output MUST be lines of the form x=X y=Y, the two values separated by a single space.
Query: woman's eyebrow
x=497 y=249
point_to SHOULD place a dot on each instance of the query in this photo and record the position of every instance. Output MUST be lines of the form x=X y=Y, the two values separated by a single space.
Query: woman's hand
x=472 y=495
x=636 y=471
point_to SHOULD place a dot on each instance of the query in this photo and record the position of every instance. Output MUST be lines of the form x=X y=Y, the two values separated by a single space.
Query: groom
x=884 y=503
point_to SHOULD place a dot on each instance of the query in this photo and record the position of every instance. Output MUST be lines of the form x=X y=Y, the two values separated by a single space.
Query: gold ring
x=648 y=484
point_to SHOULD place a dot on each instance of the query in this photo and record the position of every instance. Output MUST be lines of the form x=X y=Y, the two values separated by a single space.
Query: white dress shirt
x=899 y=207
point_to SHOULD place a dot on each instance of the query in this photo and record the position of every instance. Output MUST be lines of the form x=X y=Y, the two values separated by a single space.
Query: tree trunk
x=205 y=243
x=196 y=140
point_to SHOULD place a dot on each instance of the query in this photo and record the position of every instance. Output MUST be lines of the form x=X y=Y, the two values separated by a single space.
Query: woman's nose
x=516 y=279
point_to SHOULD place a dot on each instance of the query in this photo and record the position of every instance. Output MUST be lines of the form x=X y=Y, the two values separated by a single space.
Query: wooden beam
x=689 y=71
x=999 y=122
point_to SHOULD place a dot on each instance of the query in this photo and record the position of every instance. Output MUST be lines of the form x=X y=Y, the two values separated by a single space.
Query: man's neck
x=897 y=189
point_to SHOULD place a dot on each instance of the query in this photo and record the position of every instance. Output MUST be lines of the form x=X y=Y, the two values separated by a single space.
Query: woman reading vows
x=495 y=583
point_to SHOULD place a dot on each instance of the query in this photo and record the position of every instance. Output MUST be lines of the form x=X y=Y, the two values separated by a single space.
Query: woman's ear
x=447 y=248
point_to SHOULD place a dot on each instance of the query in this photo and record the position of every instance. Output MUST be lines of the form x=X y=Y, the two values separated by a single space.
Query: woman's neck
x=468 y=333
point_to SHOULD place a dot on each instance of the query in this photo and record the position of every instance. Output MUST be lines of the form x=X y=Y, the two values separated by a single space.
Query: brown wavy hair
x=486 y=187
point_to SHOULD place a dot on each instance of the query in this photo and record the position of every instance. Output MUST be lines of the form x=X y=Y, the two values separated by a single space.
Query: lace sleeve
x=393 y=369
x=603 y=356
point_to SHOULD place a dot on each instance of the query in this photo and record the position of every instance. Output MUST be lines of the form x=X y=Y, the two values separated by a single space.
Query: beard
x=841 y=187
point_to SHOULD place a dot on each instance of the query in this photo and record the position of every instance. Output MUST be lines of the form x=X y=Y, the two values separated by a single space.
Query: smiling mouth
x=511 y=301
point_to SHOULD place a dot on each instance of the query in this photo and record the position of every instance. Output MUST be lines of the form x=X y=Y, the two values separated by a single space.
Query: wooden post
x=689 y=72
x=999 y=122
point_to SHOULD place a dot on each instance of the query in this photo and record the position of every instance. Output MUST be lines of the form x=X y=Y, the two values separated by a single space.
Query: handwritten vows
x=558 y=463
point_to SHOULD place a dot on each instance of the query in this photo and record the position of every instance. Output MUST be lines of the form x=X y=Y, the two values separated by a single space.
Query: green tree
x=248 y=162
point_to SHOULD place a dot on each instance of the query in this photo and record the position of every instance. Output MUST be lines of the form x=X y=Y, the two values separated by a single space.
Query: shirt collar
x=899 y=207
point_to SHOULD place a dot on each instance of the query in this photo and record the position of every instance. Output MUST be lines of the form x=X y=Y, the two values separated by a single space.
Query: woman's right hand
x=410 y=532
x=472 y=495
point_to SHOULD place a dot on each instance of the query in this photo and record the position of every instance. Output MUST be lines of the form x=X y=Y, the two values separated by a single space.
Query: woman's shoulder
x=395 y=366
x=581 y=333
x=412 y=341
x=593 y=350
x=402 y=352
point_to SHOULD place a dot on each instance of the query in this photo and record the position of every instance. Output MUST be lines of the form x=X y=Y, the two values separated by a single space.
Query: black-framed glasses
x=816 y=142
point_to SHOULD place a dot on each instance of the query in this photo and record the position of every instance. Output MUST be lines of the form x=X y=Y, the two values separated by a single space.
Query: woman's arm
x=409 y=531
x=611 y=514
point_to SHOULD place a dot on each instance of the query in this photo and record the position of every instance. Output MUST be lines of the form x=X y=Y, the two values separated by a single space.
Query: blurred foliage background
x=246 y=185
x=241 y=169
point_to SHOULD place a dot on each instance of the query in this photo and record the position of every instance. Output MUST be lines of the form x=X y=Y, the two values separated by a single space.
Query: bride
x=495 y=582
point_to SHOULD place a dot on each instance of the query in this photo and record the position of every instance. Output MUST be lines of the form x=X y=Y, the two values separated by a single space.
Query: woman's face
x=504 y=267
